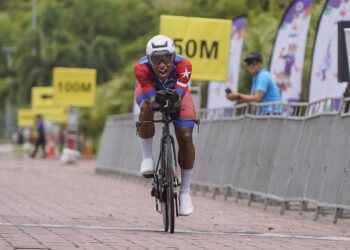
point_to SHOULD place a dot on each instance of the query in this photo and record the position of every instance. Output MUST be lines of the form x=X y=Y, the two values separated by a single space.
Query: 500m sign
x=204 y=41
x=74 y=86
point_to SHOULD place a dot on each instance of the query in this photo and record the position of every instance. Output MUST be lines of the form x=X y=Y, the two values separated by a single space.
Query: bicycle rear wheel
x=165 y=216
x=170 y=204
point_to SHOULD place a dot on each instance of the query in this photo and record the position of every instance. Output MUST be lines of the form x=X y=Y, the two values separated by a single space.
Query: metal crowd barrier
x=300 y=153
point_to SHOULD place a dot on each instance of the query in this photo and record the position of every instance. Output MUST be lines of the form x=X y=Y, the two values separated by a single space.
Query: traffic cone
x=52 y=149
x=71 y=142
x=86 y=154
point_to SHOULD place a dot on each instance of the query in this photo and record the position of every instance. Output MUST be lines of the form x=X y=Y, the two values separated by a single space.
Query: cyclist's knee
x=185 y=137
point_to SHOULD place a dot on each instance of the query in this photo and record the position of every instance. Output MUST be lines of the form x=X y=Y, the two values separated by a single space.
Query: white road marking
x=250 y=234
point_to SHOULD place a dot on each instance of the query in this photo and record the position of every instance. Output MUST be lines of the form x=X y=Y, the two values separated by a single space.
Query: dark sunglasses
x=156 y=59
x=253 y=62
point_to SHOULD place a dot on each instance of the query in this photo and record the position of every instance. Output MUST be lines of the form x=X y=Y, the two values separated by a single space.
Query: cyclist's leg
x=186 y=154
x=146 y=133
x=186 y=160
x=183 y=130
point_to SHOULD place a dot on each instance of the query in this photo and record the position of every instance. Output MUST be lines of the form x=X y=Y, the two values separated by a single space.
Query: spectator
x=20 y=136
x=264 y=89
x=41 y=140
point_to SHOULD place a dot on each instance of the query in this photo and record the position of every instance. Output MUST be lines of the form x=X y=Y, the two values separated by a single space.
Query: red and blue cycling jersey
x=178 y=79
x=148 y=83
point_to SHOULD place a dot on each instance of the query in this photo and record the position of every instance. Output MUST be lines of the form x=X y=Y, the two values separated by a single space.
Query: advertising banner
x=287 y=60
x=324 y=68
x=204 y=41
x=216 y=90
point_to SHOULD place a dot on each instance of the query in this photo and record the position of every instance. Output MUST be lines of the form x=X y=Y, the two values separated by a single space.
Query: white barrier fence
x=300 y=154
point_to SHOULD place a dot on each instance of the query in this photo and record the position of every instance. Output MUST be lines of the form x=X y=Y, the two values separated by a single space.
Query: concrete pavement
x=46 y=205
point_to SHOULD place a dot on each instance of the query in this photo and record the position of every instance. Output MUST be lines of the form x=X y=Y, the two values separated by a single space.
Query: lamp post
x=34 y=2
x=34 y=24
x=8 y=110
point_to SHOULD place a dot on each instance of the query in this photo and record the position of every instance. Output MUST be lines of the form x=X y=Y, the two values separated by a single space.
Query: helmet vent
x=160 y=46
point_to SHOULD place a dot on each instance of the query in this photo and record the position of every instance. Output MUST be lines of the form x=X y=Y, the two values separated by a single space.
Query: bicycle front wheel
x=169 y=174
x=164 y=188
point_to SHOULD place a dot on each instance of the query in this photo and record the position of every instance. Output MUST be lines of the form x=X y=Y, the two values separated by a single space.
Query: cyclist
x=162 y=69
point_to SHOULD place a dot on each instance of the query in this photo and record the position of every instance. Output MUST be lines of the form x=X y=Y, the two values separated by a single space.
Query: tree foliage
x=110 y=36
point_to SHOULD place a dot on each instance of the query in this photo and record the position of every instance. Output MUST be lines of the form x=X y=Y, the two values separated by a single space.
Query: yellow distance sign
x=59 y=118
x=50 y=110
x=205 y=42
x=42 y=97
x=74 y=86
x=43 y=103
x=25 y=118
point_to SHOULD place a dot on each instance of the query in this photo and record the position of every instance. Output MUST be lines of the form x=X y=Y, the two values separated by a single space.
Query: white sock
x=186 y=176
x=146 y=147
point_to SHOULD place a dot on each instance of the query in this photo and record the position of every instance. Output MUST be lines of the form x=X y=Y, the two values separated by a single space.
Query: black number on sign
x=206 y=50
x=74 y=86
x=176 y=43
x=214 y=46
x=191 y=44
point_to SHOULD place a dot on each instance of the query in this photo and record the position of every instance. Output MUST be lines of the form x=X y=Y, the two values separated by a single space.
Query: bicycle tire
x=165 y=216
x=170 y=188
x=164 y=203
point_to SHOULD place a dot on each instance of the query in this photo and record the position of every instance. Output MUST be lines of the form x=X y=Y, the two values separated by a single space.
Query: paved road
x=45 y=205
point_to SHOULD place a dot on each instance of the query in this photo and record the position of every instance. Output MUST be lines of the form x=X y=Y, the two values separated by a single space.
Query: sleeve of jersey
x=144 y=77
x=183 y=73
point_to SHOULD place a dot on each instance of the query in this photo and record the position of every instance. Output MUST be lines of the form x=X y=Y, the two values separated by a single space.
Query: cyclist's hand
x=161 y=97
x=173 y=96
x=153 y=102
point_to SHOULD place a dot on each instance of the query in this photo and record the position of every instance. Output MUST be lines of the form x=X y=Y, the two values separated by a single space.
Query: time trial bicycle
x=165 y=179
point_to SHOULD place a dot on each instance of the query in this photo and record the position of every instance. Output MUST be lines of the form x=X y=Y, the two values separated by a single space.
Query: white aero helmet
x=160 y=46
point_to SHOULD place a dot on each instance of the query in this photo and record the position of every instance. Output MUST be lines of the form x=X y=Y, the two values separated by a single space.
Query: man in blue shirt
x=264 y=89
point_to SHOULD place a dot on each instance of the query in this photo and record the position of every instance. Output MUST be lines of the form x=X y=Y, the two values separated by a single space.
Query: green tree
x=110 y=36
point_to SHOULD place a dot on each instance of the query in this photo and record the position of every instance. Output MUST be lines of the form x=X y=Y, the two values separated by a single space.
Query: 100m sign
x=74 y=86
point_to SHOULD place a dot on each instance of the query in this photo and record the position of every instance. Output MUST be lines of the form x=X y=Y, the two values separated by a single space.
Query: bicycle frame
x=168 y=139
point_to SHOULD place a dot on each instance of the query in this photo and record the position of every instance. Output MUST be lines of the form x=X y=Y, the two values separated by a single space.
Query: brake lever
x=197 y=121
x=137 y=127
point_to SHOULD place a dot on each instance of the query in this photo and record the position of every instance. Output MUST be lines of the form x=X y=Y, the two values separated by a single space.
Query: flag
x=287 y=60
x=324 y=68
x=216 y=90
